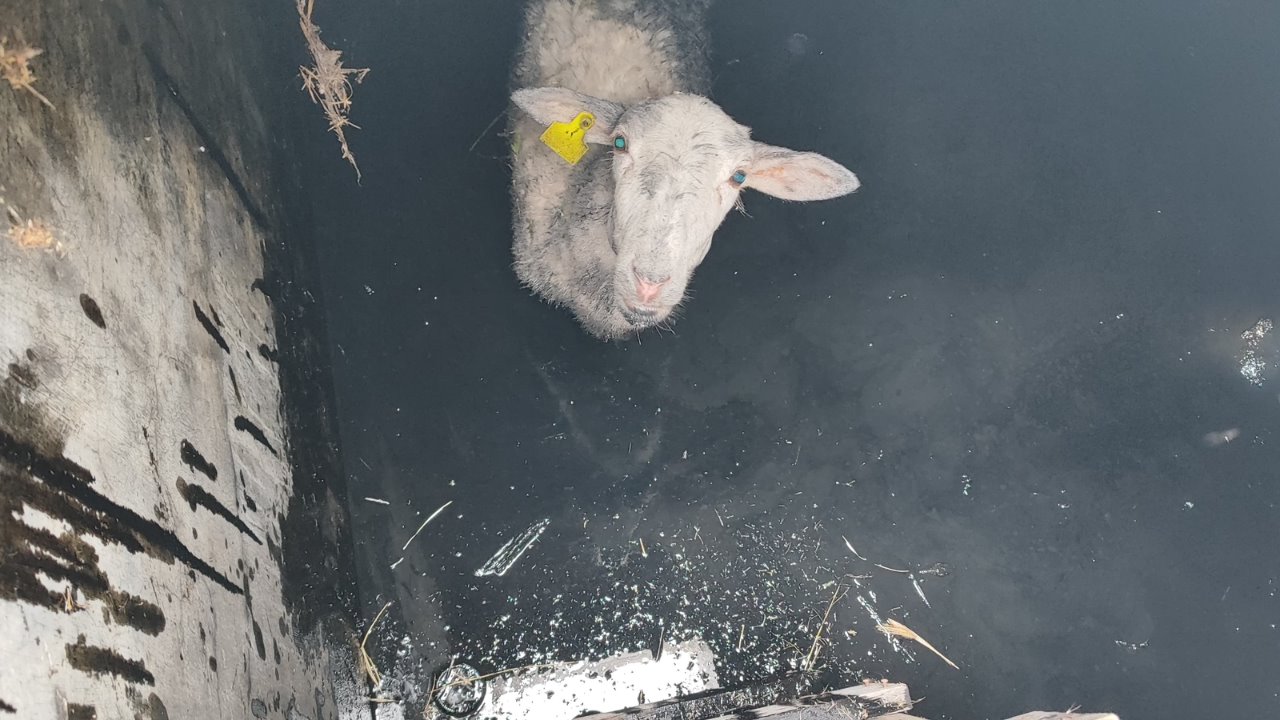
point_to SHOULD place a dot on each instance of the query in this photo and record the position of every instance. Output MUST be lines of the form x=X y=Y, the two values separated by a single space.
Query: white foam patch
x=567 y=690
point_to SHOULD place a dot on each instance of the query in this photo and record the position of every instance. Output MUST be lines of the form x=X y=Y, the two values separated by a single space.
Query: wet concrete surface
x=1006 y=366
x=171 y=500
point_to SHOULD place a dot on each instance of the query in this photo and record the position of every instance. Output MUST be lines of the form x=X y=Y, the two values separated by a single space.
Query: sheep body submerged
x=616 y=237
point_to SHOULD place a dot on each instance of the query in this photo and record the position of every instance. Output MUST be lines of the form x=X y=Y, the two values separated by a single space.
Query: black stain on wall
x=19 y=413
x=192 y=458
x=210 y=328
x=23 y=375
x=198 y=496
x=151 y=455
x=157 y=708
x=258 y=641
x=33 y=552
x=96 y=660
x=261 y=286
x=274 y=551
x=244 y=424
x=76 y=711
x=92 y=311
x=6 y=707
x=235 y=386
x=34 y=558
x=244 y=489
x=61 y=489
x=148 y=708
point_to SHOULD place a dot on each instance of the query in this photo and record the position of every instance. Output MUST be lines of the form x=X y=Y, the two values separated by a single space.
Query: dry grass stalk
x=431 y=517
x=69 y=602
x=897 y=629
x=366 y=661
x=328 y=82
x=15 y=67
x=815 y=649
x=32 y=234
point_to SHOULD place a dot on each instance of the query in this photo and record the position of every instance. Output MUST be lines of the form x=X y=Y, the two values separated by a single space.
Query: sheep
x=616 y=237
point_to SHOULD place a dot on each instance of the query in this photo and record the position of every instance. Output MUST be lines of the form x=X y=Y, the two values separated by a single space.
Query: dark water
x=1003 y=354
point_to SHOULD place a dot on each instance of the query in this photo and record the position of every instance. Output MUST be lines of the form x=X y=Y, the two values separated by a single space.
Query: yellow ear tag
x=569 y=140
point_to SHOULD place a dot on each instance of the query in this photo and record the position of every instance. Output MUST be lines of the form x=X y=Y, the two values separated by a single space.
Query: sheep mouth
x=642 y=317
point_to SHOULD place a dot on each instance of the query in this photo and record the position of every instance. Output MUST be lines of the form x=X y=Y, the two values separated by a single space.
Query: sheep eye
x=739 y=177
x=620 y=144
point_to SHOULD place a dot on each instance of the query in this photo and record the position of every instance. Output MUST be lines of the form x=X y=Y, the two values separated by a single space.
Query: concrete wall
x=172 y=532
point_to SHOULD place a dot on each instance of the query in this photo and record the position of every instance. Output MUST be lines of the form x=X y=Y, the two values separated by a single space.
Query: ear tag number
x=569 y=140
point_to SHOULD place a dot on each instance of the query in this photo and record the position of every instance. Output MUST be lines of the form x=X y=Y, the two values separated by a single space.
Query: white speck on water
x=1221 y=437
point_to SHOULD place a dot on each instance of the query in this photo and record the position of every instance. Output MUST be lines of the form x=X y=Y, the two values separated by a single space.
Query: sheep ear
x=793 y=175
x=552 y=104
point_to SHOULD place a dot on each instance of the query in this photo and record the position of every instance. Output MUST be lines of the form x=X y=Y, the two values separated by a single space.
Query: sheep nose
x=648 y=287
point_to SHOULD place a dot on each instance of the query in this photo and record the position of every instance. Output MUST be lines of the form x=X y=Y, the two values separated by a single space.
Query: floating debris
x=424 y=524
x=915 y=583
x=815 y=649
x=1130 y=647
x=459 y=690
x=379 y=501
x=1252 y=364
x=509 y=553
x=756 y=590
x=893 y=628
x=328 y=82
x=850 y=546
x=366 y=662
x=938 y=569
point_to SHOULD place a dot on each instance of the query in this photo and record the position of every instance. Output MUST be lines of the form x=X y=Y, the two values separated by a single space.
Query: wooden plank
x=893 y=694
x=861 y=702
x=1042 y=715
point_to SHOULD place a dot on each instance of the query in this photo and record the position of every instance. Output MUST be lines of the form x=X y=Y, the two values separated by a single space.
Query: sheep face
x=678 y=164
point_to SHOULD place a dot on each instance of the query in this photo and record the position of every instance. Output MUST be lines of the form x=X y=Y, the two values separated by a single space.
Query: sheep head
x=678 y=165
